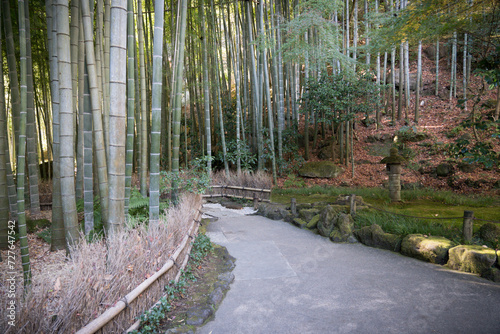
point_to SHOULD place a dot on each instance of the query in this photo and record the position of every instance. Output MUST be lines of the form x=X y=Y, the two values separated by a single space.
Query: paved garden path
x=289 y=280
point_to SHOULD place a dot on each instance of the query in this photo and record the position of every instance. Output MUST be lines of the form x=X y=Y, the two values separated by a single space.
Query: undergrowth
x=450 y=229
x=151 y=320
x=381 y=195
x=67 y=294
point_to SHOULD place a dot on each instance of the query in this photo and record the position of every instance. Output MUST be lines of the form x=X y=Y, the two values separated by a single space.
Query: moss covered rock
x=322 y=169
x=273 y=211
x=327 y=220
x=313 y=222
x=444 y=169
x=471 y=258
x=490 y=233
x=374 y=236
x=431 y=249
x=299 y=222
x=493 y=274
x=308 y=214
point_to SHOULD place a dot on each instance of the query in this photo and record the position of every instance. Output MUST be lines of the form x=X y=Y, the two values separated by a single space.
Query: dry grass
x=258 y=179
x=66 y=296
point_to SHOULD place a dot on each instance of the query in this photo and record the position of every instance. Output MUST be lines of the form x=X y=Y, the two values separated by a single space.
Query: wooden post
x=255 y=201
x=352 y=204
x=468 y=225
x=293 y=206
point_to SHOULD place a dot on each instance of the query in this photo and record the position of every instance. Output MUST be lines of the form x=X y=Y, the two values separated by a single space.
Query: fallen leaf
x=57 y=285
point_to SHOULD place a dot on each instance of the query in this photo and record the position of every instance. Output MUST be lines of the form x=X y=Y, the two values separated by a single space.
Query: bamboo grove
x=93 y=92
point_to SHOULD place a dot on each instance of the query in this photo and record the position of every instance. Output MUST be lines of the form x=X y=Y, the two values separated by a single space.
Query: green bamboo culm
x=117 y=116
x=206 y=87
x=4 y=197
x=129 y=145
x=177 y=87
x=21 y=161
x=154 y=160
x=66 y=120
x=95 y=101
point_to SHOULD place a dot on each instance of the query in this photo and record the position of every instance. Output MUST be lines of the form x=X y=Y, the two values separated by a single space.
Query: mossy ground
x=417 y=203
x=196 y=292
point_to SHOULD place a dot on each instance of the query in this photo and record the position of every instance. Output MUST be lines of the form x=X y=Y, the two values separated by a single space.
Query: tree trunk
x=95 y=100
x=117 y=115
x=66 y=119
x=13 y=75
x=31 y=133
x=23 y=238
x=4 y=150
x=177 y=89
x=129 y=146
x=437 y=68
x=144 y=115
x=419 y=77
x=58 y=239
x=206 y=92
x=453 y=79
x=88 y=185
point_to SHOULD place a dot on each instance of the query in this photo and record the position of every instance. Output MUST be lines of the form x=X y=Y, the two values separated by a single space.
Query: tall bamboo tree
x=66 y=120
x=58 y=238
x=88 y=184
x=31 y=133
x=4 y=195
x=206 y=88
x=13 y=75
x=117 y=115
x=21 y=162
x=95 y=100
x=144 y=124
x=130 y=101
x=419 y=78
x=154 y=167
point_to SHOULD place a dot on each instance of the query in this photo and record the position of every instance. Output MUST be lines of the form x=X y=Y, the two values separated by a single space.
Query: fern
x=138 y=203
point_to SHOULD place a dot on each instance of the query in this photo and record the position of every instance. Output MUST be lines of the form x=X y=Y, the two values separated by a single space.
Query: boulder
x=374 y=236
x=493 y=274
x=490 y=233
x=299 y=222
x=431 y=249
x=326 y=153
x=273 y=211
x=466 y=167
x=308 y=214
x=430 y=50
x=321 y=169
x=343 y=227
x=346 y=200
x=382 y=138
x=471 y=258
x=444 y=169
x=327 y=220
x=313 y=223
x=413 y=79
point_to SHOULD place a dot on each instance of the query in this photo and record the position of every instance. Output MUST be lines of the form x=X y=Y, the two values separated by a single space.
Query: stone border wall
x=334 y=221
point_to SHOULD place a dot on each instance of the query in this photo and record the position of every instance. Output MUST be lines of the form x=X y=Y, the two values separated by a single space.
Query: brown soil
x=438 y=115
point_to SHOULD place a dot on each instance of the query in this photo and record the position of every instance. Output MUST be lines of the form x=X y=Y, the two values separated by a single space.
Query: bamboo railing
x=262 y=195
x=110 y=314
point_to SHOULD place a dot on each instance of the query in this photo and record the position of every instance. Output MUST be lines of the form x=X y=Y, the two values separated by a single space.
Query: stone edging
x=203 y=312
x=438 y=250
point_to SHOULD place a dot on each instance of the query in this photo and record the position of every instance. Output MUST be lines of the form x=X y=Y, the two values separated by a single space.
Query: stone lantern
x=393 y=163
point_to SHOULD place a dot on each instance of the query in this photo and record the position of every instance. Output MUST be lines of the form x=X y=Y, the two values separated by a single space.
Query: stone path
x=289 y=280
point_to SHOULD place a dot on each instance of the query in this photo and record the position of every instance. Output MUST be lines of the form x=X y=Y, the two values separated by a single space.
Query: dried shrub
x=257 y=179
x=66 y=296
